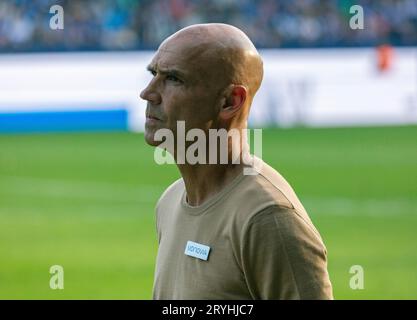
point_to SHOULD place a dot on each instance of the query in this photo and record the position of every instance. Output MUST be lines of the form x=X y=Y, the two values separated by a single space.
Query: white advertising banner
x=314 y=87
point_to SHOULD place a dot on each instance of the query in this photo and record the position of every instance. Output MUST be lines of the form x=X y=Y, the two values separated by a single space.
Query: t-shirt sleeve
x=283 y=257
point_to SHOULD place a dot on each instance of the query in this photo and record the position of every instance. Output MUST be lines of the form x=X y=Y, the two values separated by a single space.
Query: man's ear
x=235 y=99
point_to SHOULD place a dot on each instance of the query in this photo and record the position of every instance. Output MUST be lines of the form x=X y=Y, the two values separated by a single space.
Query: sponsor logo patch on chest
x=197 y=250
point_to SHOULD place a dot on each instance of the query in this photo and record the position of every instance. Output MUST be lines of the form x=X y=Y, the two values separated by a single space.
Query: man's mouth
x=152 y=117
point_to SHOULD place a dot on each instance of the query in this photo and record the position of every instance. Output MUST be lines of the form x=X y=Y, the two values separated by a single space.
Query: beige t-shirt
x=262 y=244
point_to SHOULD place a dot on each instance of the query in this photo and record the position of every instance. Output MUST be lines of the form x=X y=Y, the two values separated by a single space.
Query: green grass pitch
x=86 y=202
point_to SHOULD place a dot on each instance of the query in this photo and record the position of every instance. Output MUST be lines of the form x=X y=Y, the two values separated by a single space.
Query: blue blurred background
x=143 y=24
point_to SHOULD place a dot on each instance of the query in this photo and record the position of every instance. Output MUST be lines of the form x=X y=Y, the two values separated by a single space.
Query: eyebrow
x=171 y=72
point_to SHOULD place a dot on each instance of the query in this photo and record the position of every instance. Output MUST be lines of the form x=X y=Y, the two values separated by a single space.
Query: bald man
x=223 y=234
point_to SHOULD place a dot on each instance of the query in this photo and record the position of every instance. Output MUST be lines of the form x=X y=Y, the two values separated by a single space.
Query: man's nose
x=151 y=95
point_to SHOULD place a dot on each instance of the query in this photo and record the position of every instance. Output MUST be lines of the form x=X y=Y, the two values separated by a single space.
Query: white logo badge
x=197 y=250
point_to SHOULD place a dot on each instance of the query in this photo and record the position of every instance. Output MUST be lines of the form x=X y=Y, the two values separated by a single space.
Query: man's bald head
x=224 y=53
x=205 y=75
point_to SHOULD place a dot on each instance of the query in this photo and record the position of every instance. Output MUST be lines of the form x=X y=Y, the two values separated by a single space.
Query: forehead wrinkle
x=165 y=50
x=190 y=65
x=161 y=64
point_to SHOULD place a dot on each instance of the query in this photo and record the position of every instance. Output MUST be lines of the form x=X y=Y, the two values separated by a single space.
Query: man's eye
x=173 y=78
x=153 y=72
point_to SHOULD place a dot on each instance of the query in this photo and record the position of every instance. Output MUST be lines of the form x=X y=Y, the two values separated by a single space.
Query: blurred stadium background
x=78 y=185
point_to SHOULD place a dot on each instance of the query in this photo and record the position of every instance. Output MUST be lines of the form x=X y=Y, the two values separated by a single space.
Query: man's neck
x=203 y=181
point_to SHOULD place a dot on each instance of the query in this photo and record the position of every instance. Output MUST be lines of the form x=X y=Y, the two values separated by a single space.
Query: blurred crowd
x=142 y=24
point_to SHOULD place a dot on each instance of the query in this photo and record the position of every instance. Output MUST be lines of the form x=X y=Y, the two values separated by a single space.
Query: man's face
x=183 y=88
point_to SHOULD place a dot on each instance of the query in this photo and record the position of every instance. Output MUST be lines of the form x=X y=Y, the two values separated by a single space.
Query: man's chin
x=149 y=138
